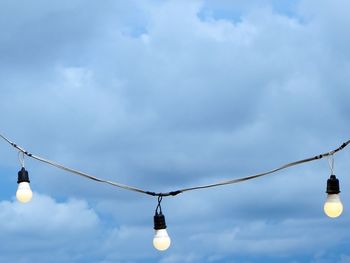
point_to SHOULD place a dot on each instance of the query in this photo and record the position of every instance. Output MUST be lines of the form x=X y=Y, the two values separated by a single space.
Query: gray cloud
x=166 y=95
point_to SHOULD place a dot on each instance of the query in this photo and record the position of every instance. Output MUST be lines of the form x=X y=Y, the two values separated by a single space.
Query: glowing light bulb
x=161 y=240
x=24 y=194
x=333 y=206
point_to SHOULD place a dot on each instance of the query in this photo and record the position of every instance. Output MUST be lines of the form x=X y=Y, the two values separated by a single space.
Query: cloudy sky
x=169 y=94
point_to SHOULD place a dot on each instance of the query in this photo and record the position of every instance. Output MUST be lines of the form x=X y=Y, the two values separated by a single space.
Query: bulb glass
x=24 y=193
x=161 y=240
x=333 y=206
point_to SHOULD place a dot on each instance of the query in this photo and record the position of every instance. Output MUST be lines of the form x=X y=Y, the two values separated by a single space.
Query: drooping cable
x=234 y=181
x=70 y=170
x=173 y=193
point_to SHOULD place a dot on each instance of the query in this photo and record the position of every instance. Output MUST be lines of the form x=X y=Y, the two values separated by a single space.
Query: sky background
x=170 y=94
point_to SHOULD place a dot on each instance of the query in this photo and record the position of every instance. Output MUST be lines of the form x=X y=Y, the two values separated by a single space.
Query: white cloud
x=45 y=228
x=43 y=208
x=160 y=97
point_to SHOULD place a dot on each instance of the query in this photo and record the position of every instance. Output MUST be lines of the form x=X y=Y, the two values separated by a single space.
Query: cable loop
x=160 y=198
x=21 y=158
x=331 y=163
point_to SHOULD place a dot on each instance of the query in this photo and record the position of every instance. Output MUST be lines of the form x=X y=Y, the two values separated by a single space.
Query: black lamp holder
x=23 y=176
x=333 y=185
x=159 y=219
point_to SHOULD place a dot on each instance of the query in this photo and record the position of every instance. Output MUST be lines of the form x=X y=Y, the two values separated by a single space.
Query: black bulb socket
x=23 y=176
x=159 y=221
x=333 y=185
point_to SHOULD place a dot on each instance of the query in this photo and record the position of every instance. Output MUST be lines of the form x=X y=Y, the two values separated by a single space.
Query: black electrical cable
x=173 y=193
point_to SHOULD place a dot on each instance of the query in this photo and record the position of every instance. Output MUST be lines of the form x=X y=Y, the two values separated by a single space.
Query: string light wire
x=23 y=152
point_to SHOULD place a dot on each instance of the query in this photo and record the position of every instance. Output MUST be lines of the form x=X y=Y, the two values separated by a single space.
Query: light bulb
x=161 y=240
x=24 y=193
x=333 y=206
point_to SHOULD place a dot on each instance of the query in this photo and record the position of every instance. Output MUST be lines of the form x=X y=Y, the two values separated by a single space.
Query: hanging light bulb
x=24 y=193
x=333 y=206
x=161 y=240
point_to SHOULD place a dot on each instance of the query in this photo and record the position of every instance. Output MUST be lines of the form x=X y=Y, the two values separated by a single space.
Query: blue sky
x=170 y=94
